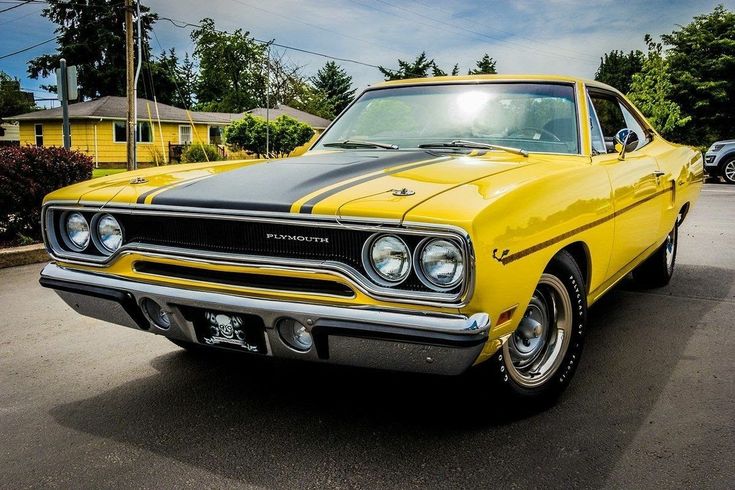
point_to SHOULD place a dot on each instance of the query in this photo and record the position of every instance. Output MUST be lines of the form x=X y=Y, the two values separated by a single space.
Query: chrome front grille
x=317 y=245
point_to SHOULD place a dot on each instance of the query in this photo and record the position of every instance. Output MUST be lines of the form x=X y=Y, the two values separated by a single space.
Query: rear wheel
x=538 y=360
x=657 y=270
x=728 y=171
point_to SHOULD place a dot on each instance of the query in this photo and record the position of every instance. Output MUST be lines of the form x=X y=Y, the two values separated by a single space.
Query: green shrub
x=196 y=153
x=285 y=133
x=27 y=174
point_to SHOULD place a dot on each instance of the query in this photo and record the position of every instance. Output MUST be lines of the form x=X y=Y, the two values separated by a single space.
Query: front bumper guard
x=355 y=336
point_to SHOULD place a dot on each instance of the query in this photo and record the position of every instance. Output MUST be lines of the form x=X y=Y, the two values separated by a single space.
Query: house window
x=215 y=135
x=39 y=134
x=184 y=134
x=119 y=133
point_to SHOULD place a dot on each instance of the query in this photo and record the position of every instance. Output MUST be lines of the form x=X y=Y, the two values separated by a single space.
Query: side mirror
x=626 y=140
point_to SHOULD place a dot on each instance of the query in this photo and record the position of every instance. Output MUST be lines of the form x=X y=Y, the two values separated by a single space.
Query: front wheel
x=538 y=360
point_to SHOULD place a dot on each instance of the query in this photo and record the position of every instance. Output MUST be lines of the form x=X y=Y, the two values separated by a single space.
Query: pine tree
x=336 y=84
x=485 y=66
x=92 y=37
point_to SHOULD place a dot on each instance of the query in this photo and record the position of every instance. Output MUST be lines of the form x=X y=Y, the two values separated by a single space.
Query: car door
x=634 y=180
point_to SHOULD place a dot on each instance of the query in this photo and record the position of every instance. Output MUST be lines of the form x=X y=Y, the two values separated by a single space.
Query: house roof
x=315 y=122
x=110 y=107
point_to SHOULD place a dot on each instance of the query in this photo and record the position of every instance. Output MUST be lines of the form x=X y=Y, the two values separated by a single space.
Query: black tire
x=727 y=170
x=569 y=322
x=657 y=270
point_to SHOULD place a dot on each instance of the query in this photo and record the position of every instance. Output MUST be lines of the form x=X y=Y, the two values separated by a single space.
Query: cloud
x=525 y=36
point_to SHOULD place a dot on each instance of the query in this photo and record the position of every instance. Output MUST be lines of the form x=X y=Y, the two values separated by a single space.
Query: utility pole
x=63 y=82
x=130 y=78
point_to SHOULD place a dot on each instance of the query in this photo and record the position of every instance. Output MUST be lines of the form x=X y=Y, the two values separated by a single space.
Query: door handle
x=658 y=173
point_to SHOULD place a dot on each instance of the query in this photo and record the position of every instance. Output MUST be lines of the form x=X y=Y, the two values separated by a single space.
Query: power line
x=15 y=19
x=28 y=48
x=16 y=6
x=184 y=24
x=292 y=19
x=495 y=29
x=481 y=34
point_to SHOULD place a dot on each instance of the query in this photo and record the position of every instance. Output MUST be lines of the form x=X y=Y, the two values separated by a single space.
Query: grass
x=102 y=172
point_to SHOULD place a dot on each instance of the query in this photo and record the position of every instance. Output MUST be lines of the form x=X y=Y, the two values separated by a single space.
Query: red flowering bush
x=27 y=174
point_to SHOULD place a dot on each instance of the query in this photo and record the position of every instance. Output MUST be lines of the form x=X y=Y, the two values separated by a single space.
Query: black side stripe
x=308 y=206
x=507 y=259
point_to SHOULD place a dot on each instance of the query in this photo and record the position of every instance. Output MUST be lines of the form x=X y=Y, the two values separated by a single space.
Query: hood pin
x=403 y=192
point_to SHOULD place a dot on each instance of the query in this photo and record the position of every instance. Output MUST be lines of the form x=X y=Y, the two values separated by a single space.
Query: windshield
x=538 y=117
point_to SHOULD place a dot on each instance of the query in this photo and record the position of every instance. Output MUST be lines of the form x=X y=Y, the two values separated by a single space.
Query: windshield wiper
x=361 y=144
x=475 y=144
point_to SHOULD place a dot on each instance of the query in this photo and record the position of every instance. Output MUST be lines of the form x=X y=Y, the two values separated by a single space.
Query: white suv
x=719 y=161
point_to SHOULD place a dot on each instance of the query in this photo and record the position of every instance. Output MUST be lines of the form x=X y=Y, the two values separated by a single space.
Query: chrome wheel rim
x=730 y=171
x=670 y=249
x=534 y=352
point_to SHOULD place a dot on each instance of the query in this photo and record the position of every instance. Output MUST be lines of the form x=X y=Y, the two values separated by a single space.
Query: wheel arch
x=683 y=211
x=580 y=252
x=724 y=159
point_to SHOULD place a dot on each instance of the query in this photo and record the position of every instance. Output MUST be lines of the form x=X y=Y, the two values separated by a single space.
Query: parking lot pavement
x=89 y=404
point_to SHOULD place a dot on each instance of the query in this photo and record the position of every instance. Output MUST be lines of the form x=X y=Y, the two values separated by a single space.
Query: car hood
x=378 y=184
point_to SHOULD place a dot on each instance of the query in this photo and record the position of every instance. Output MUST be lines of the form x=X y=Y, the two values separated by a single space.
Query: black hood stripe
x=141 y=198
x=275 y=185
x=308 y=206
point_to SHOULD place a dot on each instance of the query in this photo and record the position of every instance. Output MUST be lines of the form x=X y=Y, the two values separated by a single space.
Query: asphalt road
x=86 y=404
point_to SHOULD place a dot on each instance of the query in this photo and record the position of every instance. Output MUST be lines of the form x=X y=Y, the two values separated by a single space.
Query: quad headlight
x=76 y=231
x=388 y=259
x=109 y=233
x=440 y=263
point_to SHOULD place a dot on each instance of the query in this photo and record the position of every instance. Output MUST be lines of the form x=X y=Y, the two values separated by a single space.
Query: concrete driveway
x=86 y=404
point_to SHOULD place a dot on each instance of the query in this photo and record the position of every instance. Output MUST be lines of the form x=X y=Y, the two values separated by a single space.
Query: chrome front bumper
x=356 y=336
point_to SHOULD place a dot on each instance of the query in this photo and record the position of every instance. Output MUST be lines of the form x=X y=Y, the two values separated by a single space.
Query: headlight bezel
x=425 y=278
x=98 y=242
x=372 y=270
x=64 y=229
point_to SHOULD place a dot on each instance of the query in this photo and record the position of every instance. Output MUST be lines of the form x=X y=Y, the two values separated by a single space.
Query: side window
x=633 y=123
x=598 y=141
x=614 y=116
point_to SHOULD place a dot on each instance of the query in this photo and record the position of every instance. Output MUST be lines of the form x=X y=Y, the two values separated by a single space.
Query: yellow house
x=98 y=129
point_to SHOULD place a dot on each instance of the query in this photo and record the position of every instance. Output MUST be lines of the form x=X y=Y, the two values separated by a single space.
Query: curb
x=28 y=254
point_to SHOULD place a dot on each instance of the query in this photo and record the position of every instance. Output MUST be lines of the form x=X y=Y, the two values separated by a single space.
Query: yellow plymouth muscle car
x=437 y=224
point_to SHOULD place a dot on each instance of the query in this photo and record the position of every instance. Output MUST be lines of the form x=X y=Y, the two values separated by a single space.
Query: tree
x=485 y=66
x=701 y=63
x=421 y=67
x=173 y=79
x=617 y=69
x=336 y=84
x=249 y=134
x=92 y=37
x=232 y=69
x=650 y=90
x=309 y=99
x=13 y=101
x=438 y=72
x=288 y=133
x=418 y=68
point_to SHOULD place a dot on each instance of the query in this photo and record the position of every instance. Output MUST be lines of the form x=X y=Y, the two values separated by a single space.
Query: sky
x=524 y=36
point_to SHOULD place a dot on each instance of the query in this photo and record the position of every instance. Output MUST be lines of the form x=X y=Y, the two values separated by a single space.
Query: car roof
x=495 y=78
